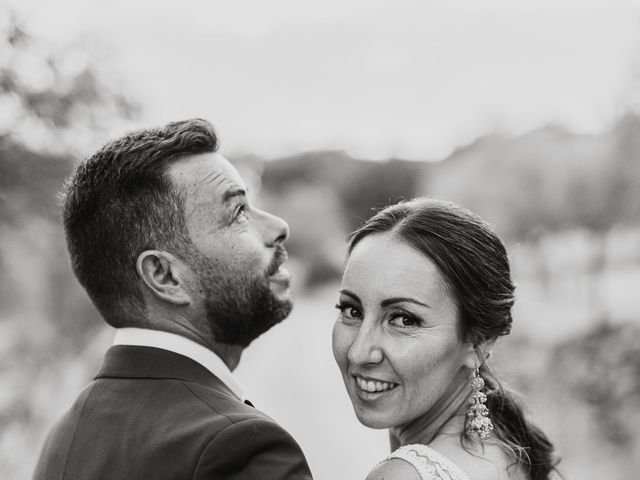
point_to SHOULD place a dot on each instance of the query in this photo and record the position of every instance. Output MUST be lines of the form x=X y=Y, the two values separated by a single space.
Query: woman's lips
x=373 y=385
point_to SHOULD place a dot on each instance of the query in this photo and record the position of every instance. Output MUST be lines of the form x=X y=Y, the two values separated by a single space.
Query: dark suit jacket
x=154 y=414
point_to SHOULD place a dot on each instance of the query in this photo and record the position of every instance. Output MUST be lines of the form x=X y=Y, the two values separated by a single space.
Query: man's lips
x=282 y=275
x=279 y=258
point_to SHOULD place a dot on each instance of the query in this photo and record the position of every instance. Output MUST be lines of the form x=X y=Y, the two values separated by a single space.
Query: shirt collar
x=172 y=342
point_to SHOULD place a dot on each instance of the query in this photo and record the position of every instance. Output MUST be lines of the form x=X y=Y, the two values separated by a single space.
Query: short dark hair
x=120 y=202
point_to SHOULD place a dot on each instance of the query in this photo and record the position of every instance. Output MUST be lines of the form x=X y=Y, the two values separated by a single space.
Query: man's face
x=238 y=251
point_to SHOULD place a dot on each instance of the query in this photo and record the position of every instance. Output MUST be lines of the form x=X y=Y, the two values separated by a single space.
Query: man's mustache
x=279 y=257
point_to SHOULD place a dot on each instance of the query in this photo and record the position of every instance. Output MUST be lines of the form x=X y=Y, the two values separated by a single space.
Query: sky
x=377 y=78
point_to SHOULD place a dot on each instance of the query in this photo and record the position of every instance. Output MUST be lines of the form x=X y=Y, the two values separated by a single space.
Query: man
x=163 y=238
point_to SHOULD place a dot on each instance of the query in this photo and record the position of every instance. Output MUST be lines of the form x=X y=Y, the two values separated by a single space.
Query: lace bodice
x=430 y=464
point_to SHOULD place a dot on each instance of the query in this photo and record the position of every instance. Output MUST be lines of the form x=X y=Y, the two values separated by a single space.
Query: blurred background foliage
x=567 y=206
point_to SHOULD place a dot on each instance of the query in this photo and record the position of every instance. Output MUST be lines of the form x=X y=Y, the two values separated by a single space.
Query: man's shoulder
x=253 y=447
x=233 y=438
x=202 y=409
x=221 y=402
x=169 y=397
x=207 y=428
x=59 y=439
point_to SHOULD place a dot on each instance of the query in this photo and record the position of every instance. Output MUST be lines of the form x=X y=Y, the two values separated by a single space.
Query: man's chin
x=239 y=317
x=287 y=306
x=278 y=314
x=280 y=308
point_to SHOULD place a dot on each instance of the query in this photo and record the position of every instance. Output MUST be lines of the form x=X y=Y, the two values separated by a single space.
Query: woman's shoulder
x=417 y=462
x=480 y=460
x=446 y=459
x=392 y=469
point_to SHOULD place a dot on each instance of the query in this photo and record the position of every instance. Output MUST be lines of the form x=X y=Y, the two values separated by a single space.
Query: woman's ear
x=164 y=276
x=477 y=354
x=471 y=357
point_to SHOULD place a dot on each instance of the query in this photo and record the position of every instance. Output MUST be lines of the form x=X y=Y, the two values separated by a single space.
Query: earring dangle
x=478 y=414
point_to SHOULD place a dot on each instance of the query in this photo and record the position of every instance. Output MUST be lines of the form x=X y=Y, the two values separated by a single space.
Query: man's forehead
x=206 y=171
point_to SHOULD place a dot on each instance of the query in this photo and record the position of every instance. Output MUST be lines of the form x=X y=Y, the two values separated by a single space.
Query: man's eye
x=241 y=213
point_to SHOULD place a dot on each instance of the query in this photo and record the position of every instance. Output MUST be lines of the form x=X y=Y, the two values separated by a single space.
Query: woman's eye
x=404 y=321
x=349 y=311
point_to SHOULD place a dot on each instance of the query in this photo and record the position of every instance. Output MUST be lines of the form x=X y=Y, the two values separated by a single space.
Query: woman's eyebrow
x=391 y=301
x=350 y=294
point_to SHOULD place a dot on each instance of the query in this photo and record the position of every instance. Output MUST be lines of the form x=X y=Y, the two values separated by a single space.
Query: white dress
x=430 y=464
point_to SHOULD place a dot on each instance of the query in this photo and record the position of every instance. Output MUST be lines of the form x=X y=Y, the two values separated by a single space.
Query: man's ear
x=164 y=276
x=476 y=354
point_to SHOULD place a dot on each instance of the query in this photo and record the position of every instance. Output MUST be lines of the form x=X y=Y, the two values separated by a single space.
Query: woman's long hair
x=474 y=261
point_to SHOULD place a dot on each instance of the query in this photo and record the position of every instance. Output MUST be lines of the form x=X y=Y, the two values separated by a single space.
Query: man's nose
x=365 y=349
x=276 y=229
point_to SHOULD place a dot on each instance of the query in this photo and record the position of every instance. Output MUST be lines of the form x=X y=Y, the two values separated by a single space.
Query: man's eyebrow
x=229 y=194
x=394 y=300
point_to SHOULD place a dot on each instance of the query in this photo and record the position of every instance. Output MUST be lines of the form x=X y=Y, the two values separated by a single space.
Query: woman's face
x=396 y=338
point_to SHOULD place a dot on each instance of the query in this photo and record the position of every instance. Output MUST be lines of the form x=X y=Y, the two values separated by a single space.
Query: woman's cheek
x=339 y=343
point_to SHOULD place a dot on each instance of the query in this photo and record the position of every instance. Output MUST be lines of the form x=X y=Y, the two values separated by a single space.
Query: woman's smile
x=425 y=293
x=396 y=338
x=370 y=388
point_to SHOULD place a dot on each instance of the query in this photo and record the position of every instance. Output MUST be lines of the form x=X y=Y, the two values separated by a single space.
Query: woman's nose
x=365 y=349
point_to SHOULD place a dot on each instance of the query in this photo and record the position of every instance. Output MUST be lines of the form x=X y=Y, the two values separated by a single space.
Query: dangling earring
x=479 y=421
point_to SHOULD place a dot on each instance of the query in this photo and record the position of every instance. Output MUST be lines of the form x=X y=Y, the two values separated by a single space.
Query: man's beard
x=239 y=305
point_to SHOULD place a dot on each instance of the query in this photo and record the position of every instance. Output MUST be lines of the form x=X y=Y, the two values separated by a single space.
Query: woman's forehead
x=383 y=264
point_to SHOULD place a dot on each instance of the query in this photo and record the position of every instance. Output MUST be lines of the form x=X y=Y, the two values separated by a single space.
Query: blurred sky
x=377 y=78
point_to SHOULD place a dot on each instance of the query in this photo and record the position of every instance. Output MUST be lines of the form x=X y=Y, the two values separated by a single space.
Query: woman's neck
x=438 y=418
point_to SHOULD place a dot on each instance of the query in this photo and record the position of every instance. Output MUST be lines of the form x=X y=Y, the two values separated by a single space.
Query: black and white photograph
x=295 y=240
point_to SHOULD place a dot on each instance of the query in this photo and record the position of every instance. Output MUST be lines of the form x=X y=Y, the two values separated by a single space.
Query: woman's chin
x=375 y=420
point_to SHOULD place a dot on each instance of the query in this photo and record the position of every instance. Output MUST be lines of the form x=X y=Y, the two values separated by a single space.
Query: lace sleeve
x=430 y=464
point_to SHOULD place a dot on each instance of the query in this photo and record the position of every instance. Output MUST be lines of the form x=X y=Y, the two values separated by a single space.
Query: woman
x=425 y=294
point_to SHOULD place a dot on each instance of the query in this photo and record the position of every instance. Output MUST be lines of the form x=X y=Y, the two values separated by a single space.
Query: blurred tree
x=625 y=199
x=602 y=369
x=314 y=215
x=52 y=105
x=551 y=180
x=52 y=101
x=360 y=185
x=29 y=182
x=322 y=167
x=376 y=185
x=325 y=195
x=546 y=180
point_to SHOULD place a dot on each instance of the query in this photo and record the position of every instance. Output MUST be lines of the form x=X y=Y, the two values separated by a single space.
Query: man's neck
x=230 y=354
